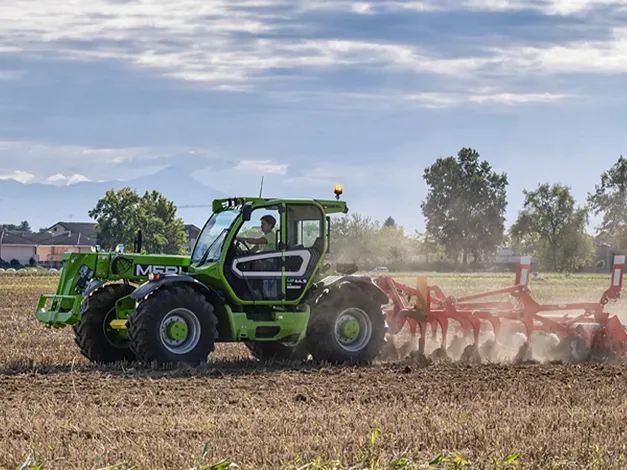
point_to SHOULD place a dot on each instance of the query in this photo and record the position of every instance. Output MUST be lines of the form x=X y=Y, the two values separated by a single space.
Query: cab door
x=305 y=246
x=255 y=272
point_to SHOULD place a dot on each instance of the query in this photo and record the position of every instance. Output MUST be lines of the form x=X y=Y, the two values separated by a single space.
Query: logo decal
x=145 y=269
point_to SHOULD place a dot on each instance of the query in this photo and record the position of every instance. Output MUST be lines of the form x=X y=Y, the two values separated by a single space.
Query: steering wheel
x=239 y=251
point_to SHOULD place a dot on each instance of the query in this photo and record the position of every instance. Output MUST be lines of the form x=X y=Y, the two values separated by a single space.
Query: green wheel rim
x=180 y=331
x=353 y=329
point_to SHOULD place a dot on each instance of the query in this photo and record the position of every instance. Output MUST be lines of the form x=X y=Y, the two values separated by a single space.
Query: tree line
x=464 y=211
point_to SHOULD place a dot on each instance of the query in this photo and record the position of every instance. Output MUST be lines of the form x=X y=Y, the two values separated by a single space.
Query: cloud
x=262 y=167
x=62 y=180
x=17 y=175
x=446 y=100
x=609 y=57
x=242 y=45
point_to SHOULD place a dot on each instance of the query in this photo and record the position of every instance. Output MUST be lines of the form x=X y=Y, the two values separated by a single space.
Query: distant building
x=192 y=233
x=15 y=247
x=51 y=244
x=51 y=250
x=48 y=247
x=86 y=228
x=507 y=256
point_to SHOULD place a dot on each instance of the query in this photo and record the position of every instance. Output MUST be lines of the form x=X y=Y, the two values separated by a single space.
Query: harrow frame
x=433 y=308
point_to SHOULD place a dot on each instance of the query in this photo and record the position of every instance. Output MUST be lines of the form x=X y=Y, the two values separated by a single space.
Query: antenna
x=261 y=189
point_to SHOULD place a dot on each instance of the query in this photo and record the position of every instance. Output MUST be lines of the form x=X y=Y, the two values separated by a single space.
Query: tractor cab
x=264 y=251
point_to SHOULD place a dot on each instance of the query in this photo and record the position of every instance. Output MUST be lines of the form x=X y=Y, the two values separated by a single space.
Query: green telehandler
x=268 y=291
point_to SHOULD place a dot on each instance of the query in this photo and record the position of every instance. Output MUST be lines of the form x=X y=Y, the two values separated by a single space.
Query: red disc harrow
x=590 y=334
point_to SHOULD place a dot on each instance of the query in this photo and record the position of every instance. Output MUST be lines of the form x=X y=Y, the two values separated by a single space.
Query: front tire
x=347 y=326
x=96 y=340
x=175 y=324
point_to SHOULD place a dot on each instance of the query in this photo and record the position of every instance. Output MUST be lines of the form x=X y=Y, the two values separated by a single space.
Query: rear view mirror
x=247 y=211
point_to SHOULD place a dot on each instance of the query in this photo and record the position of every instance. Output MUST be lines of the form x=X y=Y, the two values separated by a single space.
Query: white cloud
x=262 y=167
x=446 y=100
x=386 y=101
x=362 y=8
x=206 y=49
x=207 y=42
x=574 y=57
x=18 y=175
x=62 y=180
x=548 y=7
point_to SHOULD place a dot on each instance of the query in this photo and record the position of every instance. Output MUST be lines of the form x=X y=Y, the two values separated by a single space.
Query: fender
x=151 y=286
x=364 y=282
x=93 y=286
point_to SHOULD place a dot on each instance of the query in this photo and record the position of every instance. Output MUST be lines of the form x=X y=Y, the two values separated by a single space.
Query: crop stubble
x=263 y=417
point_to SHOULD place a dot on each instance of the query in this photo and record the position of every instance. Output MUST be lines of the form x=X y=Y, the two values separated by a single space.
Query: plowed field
x=70 y=414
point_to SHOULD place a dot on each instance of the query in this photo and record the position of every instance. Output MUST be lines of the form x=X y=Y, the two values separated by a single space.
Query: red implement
x=603 y=335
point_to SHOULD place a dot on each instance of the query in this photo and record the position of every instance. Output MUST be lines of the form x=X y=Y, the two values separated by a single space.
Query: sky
x=313 y=93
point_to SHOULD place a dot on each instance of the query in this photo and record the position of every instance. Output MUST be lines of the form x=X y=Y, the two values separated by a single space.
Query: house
x=192 y=233
x=51 y=244
x=51 y=249
x=86 y=228
x=17 y=249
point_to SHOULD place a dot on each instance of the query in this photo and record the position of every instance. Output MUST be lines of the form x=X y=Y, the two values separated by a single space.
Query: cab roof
x=330 y=206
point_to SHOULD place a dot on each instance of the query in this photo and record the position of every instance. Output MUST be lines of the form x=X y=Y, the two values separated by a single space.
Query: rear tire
x=96 y=341
x=175 y=324
x=347 y=326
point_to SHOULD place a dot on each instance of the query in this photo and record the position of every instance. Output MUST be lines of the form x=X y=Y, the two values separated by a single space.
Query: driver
x=267 y=242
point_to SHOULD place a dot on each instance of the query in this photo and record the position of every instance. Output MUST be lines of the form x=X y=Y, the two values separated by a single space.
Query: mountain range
x=43 y=205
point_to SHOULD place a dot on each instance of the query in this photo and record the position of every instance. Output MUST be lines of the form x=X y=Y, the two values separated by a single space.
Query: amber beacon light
x=338 y=191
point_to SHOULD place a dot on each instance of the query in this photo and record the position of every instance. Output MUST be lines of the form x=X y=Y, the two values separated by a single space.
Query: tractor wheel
x=347 y=326
x=96 y=340
x=175 y=324
x=277 y=351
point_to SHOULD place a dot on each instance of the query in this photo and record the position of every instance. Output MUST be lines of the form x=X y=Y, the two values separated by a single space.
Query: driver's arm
x=255 y=241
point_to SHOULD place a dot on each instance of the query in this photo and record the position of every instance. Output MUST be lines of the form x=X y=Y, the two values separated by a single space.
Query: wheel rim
x=114 y=337
x=353 y=329
x=180 y=331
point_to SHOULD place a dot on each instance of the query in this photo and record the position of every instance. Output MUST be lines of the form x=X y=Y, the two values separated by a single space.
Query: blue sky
x=313 y=93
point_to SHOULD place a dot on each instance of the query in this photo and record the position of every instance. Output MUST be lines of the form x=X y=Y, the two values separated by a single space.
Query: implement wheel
x=347 y=326
x=175 y=324
x=96 y=340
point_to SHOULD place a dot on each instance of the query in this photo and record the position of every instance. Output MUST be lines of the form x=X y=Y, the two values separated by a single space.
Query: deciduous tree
x=610 y=199
x=465 y=205
x=119 y=214
x=552 y=229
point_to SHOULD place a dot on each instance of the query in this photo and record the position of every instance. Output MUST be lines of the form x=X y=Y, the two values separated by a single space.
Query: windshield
x=212 y=238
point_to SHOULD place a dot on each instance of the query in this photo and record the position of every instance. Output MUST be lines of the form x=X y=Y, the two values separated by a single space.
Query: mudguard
x=151 y=286
x=364 y=282
x=93 y=286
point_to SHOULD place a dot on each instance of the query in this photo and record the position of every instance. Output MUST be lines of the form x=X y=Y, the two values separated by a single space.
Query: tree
x=23 y=226
x=389 y=222
x=353 y=239
x=465 y=205
x=552 y=229
x=164 y=232
x=119 y=214
x=610 y=199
